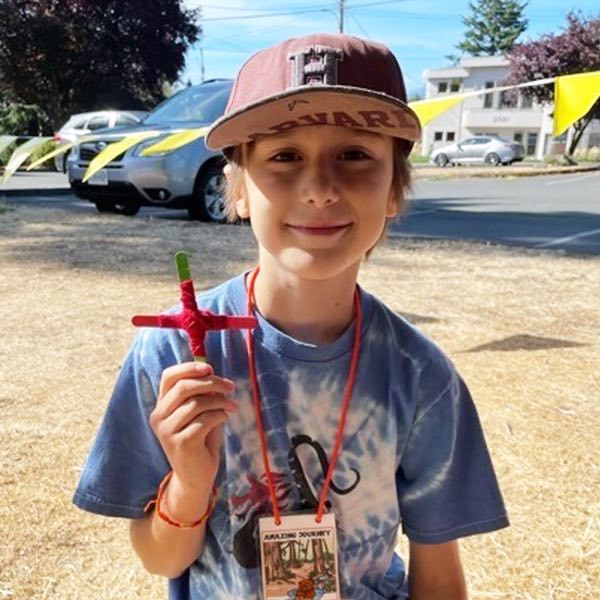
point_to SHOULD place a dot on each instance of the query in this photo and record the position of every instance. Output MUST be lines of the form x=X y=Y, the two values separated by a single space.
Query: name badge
x=299 y=558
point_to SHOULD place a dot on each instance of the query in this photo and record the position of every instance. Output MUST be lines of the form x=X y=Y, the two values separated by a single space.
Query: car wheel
x=104 y=206
x=129 y=210
x=492 y=159
x=441 y=160
x=208 y=201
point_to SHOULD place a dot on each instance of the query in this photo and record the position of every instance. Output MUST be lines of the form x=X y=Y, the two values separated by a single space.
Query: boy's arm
x=166 y=550
x=435 y=572
x=192 y=405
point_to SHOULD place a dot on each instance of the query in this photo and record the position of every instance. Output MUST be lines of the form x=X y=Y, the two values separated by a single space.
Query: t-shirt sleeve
x=446 y=483
x=126 y=462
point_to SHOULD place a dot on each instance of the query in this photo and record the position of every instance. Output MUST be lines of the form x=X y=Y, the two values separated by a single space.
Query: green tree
x=79 y=55
x=492 y=27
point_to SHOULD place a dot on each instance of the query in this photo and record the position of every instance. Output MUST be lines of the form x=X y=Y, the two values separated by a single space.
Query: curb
x=491 y=172
x=34 y=192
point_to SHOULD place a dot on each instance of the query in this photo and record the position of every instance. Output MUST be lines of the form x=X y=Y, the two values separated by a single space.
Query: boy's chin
x=318 y=265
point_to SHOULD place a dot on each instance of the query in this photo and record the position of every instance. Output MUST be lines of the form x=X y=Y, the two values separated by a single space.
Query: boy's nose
x=319 y=187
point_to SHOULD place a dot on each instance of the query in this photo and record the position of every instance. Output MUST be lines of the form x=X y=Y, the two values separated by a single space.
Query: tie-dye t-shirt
x=413 y=457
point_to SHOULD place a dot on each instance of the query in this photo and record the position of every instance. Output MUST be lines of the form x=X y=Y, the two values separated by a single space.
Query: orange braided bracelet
x=165 y=517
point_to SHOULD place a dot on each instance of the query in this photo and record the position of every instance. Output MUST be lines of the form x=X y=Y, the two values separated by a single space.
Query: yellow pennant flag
x=60 y=150
x=574 y=96
x=20 y=155
x=113 y=150
x=427 y=110
x=177 y=140
x=6 y=141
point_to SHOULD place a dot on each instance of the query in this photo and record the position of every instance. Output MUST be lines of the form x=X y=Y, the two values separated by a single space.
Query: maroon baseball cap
x=319 y=79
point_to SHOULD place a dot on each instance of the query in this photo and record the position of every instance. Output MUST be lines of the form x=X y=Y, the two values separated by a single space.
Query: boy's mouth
x=319 y=228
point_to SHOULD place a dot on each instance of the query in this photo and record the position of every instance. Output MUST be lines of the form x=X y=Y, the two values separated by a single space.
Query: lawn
x=522 y=327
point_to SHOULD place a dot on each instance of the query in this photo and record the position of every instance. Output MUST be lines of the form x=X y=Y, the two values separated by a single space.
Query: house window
x=488 y=99
x=449 y=136
x=438 y=136
x=442 y=87
x=594 y=140
x=531 y=143
x=455 y=85
x=507 y=99
x=518 y=137
x=526 y=102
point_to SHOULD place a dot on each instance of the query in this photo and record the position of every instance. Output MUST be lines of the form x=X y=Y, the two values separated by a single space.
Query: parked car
x=489 y=149
x=190 y=177
x=84 y=123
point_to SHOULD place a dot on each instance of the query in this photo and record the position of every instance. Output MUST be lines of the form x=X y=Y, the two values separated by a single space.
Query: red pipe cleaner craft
x=191 y=319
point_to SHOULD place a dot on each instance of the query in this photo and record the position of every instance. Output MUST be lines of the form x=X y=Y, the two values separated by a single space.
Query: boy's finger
x=185 y=389
x=202 y=425
x=196 y=407
x=171 y=375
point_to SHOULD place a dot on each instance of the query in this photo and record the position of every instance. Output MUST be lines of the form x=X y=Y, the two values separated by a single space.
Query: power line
x=351 y=14
x=266 y=9
x=318 y=8
x=264 y=16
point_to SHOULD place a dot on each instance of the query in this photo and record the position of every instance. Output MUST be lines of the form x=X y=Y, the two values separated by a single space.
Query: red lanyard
x=345 y=404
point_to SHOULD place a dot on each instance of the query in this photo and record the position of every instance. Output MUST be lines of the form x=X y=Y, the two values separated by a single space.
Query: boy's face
x=318 y=197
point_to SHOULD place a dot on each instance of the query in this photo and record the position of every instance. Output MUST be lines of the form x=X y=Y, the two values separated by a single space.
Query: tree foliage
x=575 y=50
x=85 y=55
x=492 y=27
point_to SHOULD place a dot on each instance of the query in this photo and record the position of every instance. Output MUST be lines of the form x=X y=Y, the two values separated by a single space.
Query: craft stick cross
x=191 y=319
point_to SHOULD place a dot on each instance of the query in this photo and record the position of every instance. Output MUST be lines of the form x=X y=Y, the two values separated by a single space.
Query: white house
x=495 y=113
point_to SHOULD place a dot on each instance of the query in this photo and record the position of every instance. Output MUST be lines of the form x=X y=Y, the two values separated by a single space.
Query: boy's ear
x=241 y=204
x=392 y=205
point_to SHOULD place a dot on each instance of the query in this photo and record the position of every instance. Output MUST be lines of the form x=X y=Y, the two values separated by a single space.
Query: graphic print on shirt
x=256 y=502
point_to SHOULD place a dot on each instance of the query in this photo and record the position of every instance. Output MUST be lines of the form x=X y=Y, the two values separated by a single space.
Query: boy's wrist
x=186 y=503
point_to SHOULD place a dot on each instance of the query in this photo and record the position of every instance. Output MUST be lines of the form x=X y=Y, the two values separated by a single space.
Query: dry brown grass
x=521 y=326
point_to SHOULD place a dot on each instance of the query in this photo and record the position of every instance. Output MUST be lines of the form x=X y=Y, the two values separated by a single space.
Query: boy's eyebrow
x=286 y=135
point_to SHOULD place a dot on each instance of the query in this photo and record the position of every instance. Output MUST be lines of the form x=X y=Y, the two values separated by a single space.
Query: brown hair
x=401 y=179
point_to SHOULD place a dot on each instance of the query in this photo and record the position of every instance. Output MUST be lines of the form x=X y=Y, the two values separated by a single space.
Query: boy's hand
x=192 y=406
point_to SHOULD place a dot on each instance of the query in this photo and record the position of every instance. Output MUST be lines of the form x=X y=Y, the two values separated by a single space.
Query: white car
x=490 y=149
x=84 y=123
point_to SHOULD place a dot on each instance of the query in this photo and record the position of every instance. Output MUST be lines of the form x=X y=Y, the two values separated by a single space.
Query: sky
x=420 y=32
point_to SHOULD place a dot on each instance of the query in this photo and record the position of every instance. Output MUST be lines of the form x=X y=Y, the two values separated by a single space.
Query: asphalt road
x=553 y=212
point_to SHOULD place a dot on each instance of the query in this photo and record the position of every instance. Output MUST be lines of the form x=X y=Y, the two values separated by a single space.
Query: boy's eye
x=354 y=154
x=285 y=156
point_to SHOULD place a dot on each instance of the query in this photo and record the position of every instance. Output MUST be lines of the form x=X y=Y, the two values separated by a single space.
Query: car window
x=75 y=123
x=468 y=142
x=484 y=140
x=204 y=102
x=97 y=123
x=125 y=120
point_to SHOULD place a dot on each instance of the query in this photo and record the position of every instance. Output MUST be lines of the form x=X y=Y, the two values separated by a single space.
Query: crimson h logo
x=315 y=65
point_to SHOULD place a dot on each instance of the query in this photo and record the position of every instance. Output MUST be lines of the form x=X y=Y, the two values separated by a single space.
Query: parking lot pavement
x=559 y=212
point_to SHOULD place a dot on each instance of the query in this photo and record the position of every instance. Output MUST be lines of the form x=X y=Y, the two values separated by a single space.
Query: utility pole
x=202 y=72
x=341 y=11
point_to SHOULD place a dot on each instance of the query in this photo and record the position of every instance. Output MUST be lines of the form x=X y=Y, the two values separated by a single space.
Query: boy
x=334 y=407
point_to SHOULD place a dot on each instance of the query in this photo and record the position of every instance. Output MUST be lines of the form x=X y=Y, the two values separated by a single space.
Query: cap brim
x=326 y=105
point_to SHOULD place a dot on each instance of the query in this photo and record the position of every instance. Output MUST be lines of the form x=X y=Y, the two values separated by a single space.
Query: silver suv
x=489 y=149
x=190 y=177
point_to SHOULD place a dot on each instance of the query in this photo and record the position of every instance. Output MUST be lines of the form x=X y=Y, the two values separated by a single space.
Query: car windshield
x=205 y=102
